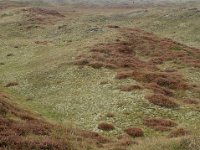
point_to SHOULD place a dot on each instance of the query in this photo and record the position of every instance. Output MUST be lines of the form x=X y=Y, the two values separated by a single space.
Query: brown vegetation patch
x=165 y=49
x=106 y=126
x=10 y=54
x=11 y=84
x=134 y=132
x=114 y=55
x=13 y=132
x=43 y=11
x=129 y=87
x=179 y=132
x=42 y=15
x=92 y=135
x=20 y=143
x=159 y=124
x=104 y=82
x=125 y=140
x=11 y=4
x=124 y=74
x=159 y=90
x=96 y=65
x=110 y=115
x=20 y=130
x=122 y=53
x=113 y=26
x=41 y=42
x=125 y=57
x=81 y=62
x=191 y=101
x=159 y=82
x=163 y=101
x=31 y=127
x=168 y=80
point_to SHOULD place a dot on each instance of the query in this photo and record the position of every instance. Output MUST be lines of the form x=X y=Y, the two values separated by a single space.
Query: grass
x=51 y=86
x=21 y=129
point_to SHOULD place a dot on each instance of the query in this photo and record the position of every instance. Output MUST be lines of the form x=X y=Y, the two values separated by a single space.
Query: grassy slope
x=62 y=92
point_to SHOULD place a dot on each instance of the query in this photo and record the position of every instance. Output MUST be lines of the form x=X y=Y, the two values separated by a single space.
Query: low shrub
x=134 y=132
x=159 y=124
x=106 y=126
x=179 y=132
x=10 y=84
x=162 y=100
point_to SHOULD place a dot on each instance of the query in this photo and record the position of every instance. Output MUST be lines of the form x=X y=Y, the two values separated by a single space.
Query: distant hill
x=104 y=2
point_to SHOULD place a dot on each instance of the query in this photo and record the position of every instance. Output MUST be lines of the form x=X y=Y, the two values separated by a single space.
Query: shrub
x=106 y=126
x=179 y=132
x=159 y=124
x=94 y=136
x=113 y=26
x=11 y=84
x=162 y=100
x=134 y=132
x=10 y=54
x=159 y=90
x=125 y=140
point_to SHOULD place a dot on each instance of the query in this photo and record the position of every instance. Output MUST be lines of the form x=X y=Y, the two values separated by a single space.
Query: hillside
x=24 y=130
x=99 y=77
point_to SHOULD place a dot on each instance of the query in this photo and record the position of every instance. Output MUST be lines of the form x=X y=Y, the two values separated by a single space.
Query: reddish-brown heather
x=134 y=132
x=191 y=101
x=163 y=101
x=26 y=131
x=106 y=126
x=125 y=58
x=160 y=124
x=179 y=132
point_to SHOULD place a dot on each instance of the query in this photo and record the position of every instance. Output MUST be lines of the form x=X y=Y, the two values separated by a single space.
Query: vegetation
x=102 y=78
